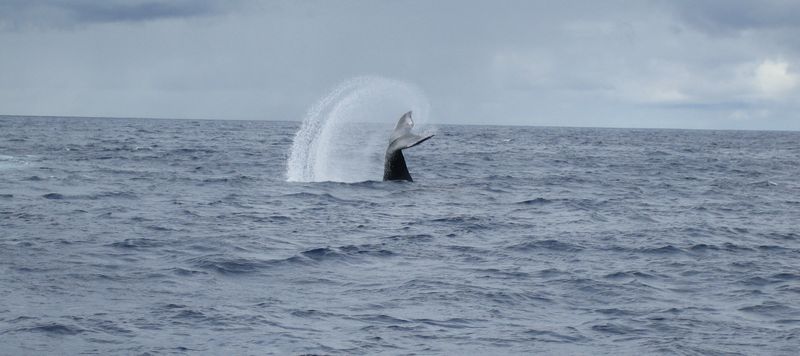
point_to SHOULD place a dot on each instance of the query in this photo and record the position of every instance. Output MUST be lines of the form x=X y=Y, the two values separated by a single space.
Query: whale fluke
x=395 y=166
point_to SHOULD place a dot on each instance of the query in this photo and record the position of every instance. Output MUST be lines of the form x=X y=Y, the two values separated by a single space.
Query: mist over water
x=344 y=136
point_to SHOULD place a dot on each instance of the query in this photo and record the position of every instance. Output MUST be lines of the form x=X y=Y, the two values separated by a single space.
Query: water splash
x=344 y=136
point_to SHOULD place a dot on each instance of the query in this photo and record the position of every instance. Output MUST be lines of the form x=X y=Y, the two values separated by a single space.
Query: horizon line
x=428 y=123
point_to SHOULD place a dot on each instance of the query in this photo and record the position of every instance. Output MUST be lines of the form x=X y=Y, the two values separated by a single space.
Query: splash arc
x=395 y=164
x=343 y=136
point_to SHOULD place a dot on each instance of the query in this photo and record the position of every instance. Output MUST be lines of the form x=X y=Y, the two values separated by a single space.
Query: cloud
x=734 y=16
x=611 y=63
x=772 y=78
x=739 y=83
x=22 y=14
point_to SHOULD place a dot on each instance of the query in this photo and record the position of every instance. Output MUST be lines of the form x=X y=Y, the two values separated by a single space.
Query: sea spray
x=343 y=136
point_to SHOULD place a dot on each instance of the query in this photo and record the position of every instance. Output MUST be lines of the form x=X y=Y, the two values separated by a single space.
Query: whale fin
x=402 y=138
x=407 y=141
x=404 y=126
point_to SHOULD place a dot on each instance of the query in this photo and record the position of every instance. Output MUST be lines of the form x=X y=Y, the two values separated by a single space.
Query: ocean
x=145 y=237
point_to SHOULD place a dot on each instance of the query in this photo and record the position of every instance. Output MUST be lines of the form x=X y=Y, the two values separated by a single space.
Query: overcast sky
x=686 y=64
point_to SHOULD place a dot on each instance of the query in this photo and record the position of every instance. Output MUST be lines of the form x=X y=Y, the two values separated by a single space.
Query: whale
x=394 y=167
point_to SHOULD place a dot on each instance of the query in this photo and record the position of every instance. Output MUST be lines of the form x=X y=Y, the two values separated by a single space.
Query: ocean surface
x=134 y=236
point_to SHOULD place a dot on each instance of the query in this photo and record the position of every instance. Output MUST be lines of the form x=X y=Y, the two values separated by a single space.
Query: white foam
x=10 y=162
x=343 y=136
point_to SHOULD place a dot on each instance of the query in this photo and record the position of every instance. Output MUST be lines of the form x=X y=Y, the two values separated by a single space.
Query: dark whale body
x=394 y=167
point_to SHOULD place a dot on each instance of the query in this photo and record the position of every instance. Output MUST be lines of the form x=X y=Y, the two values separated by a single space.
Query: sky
x=731 y=64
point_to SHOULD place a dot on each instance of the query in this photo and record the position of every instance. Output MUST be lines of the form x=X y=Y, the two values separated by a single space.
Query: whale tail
x=402 y=138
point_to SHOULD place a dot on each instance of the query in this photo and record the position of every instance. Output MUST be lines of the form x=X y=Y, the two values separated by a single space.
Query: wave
x=537 y=201
x=53 y=329
x=226 y=264
x=95 y=196
x=551 y=245
x=137 y=243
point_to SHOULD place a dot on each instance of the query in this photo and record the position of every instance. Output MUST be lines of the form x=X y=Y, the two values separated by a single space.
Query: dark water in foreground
x=162 y=237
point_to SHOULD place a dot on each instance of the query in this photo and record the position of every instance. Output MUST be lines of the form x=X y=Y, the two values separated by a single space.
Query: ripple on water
x=537 y=201
x=53 y=328
x=346 y=253
x=771 y=309
x=136 y=243
x=572 y=336
x=546 y=245
x=228 y=265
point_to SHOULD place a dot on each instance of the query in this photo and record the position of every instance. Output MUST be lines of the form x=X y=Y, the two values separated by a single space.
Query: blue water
x=128 y=236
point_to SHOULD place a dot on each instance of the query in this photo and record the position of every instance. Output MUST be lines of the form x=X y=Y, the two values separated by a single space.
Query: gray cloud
x=588 y=63
x=770 y=25
x=733 y=16
x=20 y=14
